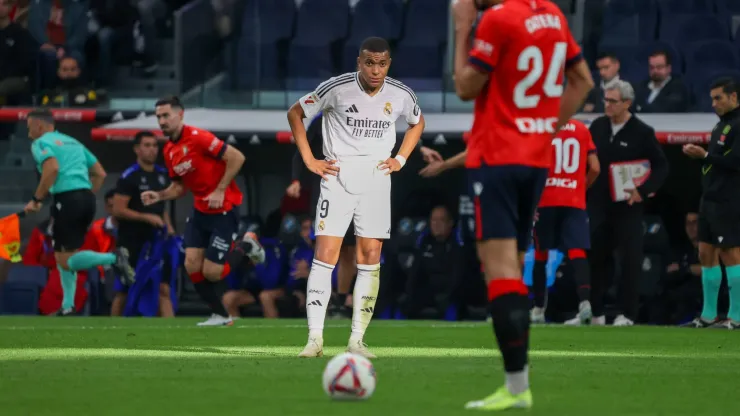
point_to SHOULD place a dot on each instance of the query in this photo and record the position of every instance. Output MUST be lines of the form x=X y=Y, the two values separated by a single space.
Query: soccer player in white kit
x=359 y=128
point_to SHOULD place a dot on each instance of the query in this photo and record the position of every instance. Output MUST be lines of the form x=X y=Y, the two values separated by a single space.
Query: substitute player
x=200 y=162
x=139 y=224
x=72 y=175
x=562 y=220
x=719 y=213
x=359 y=129
x=514 y=71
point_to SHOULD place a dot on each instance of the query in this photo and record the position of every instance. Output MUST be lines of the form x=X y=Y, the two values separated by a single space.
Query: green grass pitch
x=138 y=367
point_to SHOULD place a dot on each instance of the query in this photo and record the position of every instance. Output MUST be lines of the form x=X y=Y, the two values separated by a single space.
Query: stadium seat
x=707 y=55
x=683 y=29
x=626 y=30
x=668 y=7
x=261 y=47
x=643 y=14
x=408 y=232
x=653 y=267
x=420 y=54
x=290 y=230
x=655 y=235
x=34 y=274
x=701 y=84
x=320 y=23
x=371 y=18
x=19 y=298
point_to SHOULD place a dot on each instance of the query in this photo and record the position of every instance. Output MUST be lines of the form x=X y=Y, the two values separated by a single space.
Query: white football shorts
x=360 y=192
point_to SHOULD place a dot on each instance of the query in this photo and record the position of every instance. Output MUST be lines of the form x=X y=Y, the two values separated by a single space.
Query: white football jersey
x=356 y=124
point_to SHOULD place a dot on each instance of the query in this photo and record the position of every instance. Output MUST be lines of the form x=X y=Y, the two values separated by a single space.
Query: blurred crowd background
x=120 y=55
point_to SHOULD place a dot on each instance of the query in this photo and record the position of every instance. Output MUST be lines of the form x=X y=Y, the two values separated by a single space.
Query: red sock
x=541 y=255
x=226 y=271
x=500 y=287
x=197 y=277
x=576 y=253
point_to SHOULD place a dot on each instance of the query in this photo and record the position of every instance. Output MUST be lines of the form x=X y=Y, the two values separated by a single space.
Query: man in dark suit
x=661 y=93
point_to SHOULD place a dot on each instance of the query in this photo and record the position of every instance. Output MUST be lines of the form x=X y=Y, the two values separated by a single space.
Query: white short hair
x=626 y=92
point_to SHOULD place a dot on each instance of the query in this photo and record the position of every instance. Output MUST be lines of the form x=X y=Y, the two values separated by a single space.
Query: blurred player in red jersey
x=200 y=162
x=562 y=220
x=514 y=71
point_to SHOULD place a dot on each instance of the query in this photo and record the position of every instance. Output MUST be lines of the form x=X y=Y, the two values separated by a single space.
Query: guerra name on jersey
x=529 y=44
x=355 y=123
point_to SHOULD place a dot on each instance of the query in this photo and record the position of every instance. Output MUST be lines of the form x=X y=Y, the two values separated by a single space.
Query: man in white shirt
x=360 y=110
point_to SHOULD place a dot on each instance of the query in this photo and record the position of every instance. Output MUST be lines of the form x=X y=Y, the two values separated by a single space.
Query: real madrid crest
x=321 y=225
x=388 y=109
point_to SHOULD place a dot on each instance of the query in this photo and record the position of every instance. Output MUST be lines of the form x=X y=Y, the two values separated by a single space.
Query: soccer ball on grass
x=349 y=377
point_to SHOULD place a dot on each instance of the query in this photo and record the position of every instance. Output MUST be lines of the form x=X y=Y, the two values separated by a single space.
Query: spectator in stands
x=19 y=12
x=149 y=12
x=608 y=66
x=71 y=90
x=299 y=265
x=661 y=93
x=112 y=25
x=60 y=27
x=264 y=282
x=435 y=279
x=16 y=56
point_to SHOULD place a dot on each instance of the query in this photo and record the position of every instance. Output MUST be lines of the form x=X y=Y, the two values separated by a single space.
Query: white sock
x=518 y=382
x=364 y=298
x=317 y=297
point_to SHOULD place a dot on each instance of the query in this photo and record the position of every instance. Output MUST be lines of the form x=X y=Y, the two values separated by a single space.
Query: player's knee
x=708 y=255
x=369 y=253
x=212 y=271
x=730 y=257
x=327 y=253
x=193 y=265
x=268 y=297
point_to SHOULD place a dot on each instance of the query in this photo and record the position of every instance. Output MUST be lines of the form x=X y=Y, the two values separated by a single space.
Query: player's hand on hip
x=635 y=196
x=32 y=206
x=154 y=220
x=150 y=197
x=215 y=199
x=323 y=167
x=464 y=13
x=694 y=151
x=390 y=165
x=432 y=169
x=294 y=189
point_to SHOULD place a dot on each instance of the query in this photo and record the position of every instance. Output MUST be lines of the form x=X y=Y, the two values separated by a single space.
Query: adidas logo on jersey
x=352 y=109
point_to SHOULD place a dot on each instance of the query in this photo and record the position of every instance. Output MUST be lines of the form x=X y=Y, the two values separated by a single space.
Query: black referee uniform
x=617 y=225
x=719 y=212
x=299 y=170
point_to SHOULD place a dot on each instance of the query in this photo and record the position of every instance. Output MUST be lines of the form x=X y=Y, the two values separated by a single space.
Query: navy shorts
x=213 y=232
x=562 y=228
x=505 y=199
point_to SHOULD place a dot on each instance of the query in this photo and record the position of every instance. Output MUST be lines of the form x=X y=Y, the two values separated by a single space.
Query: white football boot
x=314 y=348
x=217 y=320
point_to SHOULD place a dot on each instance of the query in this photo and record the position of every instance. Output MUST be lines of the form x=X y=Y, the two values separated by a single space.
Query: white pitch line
x=267 y=351
x=237 y=326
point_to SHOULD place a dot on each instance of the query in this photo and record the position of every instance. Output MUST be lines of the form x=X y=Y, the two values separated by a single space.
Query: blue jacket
x=143 y=296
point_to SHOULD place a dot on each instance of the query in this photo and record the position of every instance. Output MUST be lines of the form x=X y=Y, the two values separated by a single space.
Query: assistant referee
x=719 y=212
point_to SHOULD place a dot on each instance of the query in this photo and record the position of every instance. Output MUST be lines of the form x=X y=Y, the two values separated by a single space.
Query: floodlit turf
x=138 y=367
